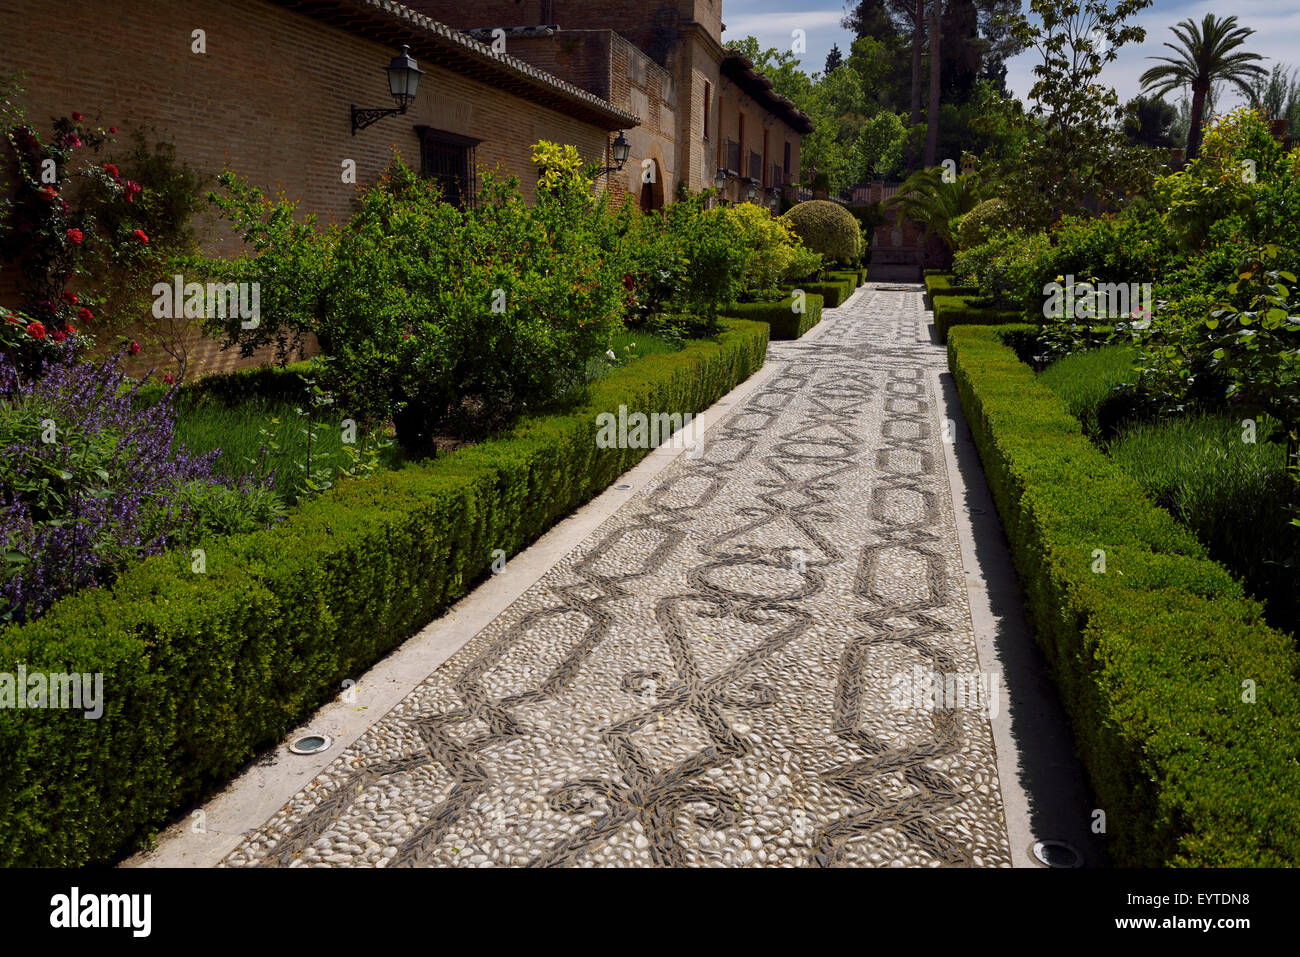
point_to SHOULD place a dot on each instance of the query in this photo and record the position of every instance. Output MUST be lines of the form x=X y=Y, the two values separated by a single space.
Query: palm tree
x=1204 y=58
x=925 y=198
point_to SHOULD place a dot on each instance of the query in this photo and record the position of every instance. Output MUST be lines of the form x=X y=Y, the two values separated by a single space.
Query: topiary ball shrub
x=977 y=226
x=827 y=228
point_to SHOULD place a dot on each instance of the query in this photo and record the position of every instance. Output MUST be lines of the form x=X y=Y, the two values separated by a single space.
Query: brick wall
x=270 y=98
x=652 y=25
x=661 y=30
x=733 y=103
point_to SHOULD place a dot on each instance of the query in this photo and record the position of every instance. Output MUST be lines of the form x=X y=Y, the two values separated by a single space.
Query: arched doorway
x=652 y=187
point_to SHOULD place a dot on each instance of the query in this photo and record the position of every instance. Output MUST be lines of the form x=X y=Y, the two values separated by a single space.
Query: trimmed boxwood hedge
x=1150 y=656
x=833 y=292
x=952 y=311
x=849 y=277
x=781 y=319
x=942 y=284
x=203 y=670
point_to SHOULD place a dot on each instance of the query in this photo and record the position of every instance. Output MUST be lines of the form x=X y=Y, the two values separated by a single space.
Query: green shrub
x=977 y=225
x=775 y=254
x=455 y=320
x=1086 y=379
x=203 y=670
x=952 y=311
x=1234 y=494
x=833 y=293
x=827 y=228
x=227 y=510
x=944 y=284
x=843 y=275
x=1150 y=656
x=781 y=318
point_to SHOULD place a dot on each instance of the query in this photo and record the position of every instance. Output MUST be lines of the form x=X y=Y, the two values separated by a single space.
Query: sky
x=1276 y=22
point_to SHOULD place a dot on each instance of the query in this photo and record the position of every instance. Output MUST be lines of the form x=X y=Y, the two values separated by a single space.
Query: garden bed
x=201 y=671
x=1185 y=705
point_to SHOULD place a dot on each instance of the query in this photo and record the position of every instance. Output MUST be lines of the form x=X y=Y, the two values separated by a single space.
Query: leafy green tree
x=1204 y=56
x=1076 y=157
x=1278 y=95
x=881 y=65
x=1149 y=121
x=880 y=146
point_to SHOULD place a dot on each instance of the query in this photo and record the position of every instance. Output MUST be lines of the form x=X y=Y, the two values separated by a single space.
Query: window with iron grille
x=778 y=175
x=449 y=159
x=755 y=166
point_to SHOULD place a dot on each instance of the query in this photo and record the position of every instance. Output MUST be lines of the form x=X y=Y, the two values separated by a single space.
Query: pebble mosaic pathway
x=712 y=677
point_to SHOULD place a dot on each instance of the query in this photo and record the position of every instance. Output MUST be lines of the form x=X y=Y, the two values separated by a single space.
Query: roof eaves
x=471 y=49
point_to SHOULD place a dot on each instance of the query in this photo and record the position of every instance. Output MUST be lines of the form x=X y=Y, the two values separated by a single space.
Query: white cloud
x=1277 y=32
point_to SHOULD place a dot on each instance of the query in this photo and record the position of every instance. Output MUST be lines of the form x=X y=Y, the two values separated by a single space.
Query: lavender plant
x=92 y=480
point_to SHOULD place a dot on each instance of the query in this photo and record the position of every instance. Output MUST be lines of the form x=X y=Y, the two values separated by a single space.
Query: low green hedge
x=833 y=292
x=848 y=277
x=203 y=670
x=1150 y=656
x=952 y=311
x=941 y=284
x=783 y=322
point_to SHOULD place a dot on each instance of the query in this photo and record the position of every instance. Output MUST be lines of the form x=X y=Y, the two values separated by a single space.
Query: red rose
x=72 y=139
x=58 y=335
x=76 y=117
x=169 y=378
x=84 y=314
x=71 y=331
x=71 y=297
x=139 y=234
x=132 y=190
x=113 y=171
x=112 y=129
x=36 y=330
x=75 y=236
x=133 y=348
x=49 y=193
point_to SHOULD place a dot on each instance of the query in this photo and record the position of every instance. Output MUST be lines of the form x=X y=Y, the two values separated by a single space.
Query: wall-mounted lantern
x=620 y=150
x=720 y=180
x=752 y=191
x=403 y=83
x=774 y=201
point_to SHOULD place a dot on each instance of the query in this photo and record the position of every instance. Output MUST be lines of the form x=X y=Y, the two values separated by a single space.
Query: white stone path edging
x=610 y=729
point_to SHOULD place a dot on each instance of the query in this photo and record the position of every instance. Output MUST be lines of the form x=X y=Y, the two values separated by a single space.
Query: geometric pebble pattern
x=707 y=679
